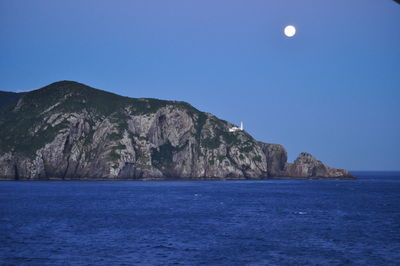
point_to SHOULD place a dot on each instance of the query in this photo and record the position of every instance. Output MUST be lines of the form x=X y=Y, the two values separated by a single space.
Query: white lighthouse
x=234 y=129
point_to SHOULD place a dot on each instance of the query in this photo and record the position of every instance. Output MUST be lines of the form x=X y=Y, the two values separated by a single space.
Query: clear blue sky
x=333 y=90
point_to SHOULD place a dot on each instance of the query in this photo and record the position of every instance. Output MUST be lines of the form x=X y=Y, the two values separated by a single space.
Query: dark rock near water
x=68 y=130
x=276 y=156
x=306 y=166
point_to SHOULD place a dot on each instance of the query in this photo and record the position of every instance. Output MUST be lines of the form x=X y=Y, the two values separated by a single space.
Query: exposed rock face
x=70 y=131
x=306 y=166
x=276 y=158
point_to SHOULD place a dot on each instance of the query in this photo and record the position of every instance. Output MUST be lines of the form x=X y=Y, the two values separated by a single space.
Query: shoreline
x=177 y=179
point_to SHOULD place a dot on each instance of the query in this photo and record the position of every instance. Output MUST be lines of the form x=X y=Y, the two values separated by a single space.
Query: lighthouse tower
x=234 y=129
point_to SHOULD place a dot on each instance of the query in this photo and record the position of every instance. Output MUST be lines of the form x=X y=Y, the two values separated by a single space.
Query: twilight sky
x=332 y=90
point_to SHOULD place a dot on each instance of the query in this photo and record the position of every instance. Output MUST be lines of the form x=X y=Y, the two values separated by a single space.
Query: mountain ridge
x=68 y=130
x=8 y=98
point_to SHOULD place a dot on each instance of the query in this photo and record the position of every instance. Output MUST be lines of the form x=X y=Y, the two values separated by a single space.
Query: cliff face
x=70 y=131
x=276 y=158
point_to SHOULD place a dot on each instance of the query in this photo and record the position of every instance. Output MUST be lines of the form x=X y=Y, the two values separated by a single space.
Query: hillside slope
x=9 y=98
x=68 y=130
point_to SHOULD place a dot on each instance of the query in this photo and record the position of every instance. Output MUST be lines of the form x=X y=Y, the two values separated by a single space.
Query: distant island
x=70 y=131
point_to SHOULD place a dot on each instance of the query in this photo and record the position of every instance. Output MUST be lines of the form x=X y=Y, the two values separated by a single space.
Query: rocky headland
x=68 y=131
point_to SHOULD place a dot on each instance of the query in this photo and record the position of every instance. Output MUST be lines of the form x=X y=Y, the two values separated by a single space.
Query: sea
x=269 y=222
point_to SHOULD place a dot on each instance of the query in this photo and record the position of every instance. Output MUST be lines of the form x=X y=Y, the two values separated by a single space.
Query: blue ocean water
x=278 y=222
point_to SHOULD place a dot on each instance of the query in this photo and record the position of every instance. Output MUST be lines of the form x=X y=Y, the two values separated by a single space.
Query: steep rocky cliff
x=68 y=130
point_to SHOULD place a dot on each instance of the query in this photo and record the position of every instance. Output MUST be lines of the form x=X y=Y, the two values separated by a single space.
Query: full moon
x=290 y=31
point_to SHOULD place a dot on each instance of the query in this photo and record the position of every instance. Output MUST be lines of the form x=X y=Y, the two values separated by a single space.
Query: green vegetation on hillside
x=163 y=156
x=9 y=99
x=24 y=129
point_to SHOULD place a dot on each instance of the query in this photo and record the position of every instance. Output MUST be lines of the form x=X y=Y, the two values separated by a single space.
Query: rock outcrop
x=68 y=130
x=306 y=166
x=276 y=158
